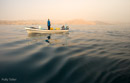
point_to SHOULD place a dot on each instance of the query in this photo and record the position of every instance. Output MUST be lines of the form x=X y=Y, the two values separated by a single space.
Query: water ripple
x=91 y=54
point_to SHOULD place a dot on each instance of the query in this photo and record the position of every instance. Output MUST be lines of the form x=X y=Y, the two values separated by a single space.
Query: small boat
x=32 y=30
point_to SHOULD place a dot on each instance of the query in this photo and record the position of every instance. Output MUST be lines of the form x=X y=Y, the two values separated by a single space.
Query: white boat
x=31 y=30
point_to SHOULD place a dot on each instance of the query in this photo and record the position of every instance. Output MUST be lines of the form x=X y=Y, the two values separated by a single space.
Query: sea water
x=87 y=54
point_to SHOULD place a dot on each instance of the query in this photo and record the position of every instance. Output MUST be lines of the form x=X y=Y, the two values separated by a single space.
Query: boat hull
x=30 y=31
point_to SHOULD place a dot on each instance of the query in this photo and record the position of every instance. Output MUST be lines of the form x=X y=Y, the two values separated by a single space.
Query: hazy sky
x=102 y=10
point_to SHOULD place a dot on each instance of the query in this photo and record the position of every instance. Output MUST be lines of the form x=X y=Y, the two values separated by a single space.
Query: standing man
x=48 y=24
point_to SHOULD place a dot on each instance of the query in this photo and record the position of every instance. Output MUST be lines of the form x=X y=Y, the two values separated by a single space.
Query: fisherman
x=48 y=24
x=66 y=27
x=63 y=27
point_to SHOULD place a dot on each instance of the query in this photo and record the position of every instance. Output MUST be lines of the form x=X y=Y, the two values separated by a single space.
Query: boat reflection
x=48 y=39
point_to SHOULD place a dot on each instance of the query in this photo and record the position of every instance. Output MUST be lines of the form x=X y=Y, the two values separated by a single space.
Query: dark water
x=88 y=54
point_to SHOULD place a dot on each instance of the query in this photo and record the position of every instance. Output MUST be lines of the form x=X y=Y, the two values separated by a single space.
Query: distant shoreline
x=41 y=22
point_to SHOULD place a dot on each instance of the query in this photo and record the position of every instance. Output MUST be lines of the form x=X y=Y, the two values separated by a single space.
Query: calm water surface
x=88 y=54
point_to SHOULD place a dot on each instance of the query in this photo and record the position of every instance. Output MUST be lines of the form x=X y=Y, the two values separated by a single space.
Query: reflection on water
x=50 y=39
x=88 y=54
